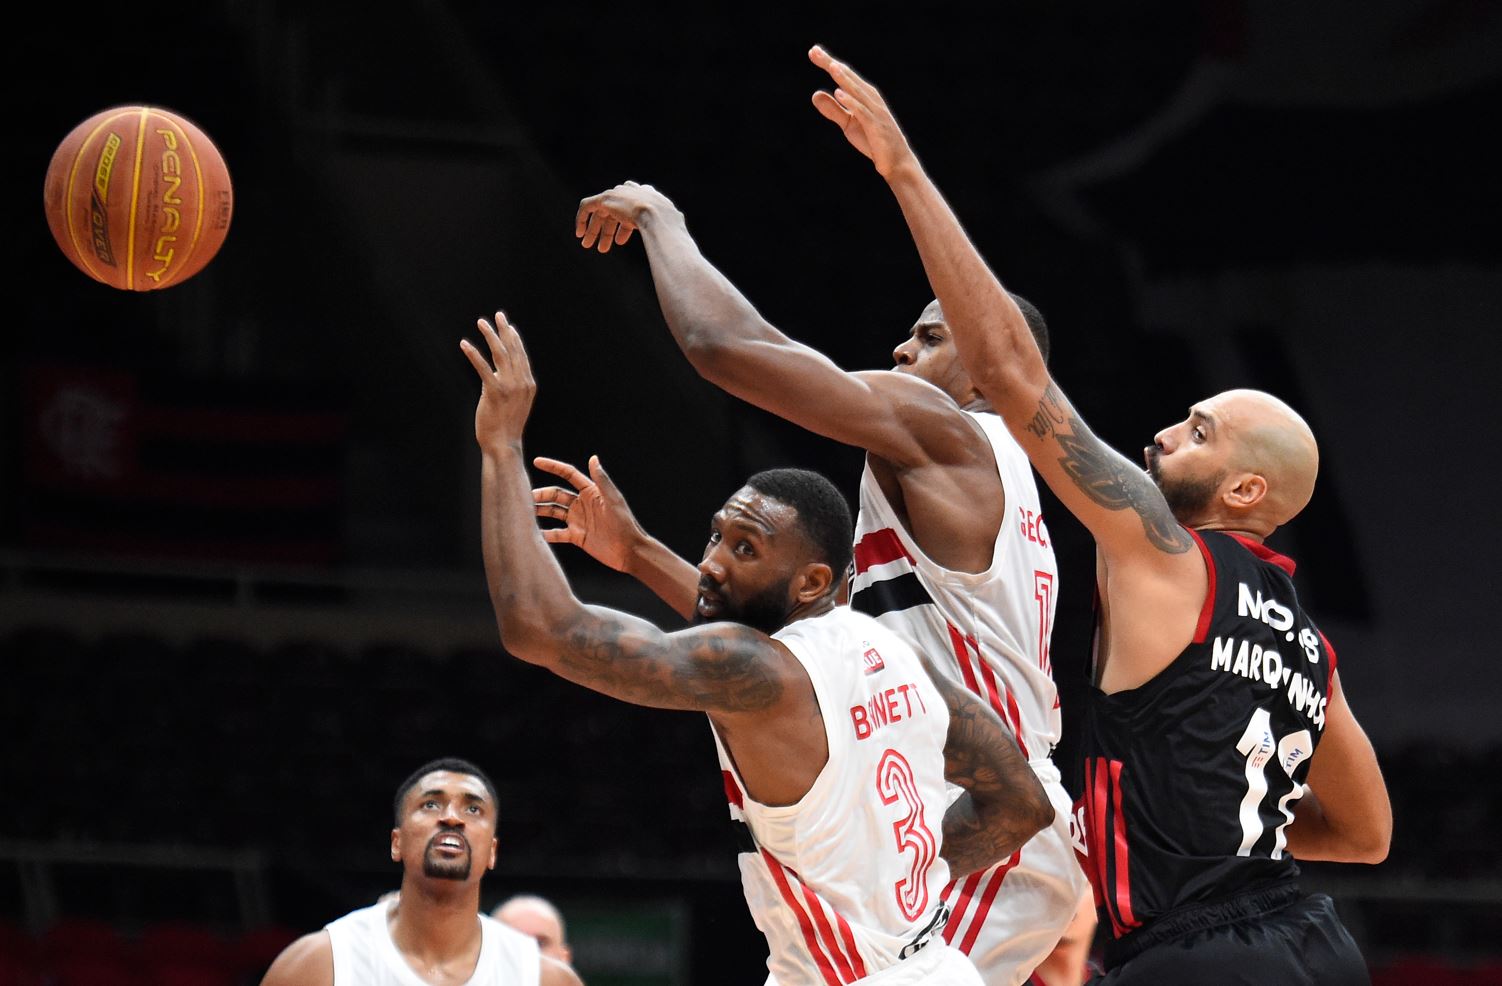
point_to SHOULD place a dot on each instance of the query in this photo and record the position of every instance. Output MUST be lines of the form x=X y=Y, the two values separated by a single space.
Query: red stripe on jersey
x=1262 y=551
x=809 y=939
x=961 y=904
x=1007 y=710
x=1123 y=869
x=963 y=657
x=1016 y=721
x=1202 y=629
x=826 y=934
x=732 y=790
x=849 y=939
x=1099 y=780
x=878 y=548
x=992 y=888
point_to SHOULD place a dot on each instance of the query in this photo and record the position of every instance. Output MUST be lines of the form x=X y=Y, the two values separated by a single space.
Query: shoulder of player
x=938 y=429
x=554 y=973
x=308 y=961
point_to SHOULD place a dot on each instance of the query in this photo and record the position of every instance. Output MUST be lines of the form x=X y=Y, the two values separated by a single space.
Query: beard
x=766 y=611
x=442 y=867
x=1187 y=496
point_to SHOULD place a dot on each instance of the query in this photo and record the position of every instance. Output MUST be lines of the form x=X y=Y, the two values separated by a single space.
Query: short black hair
x=823 y=512
x=1035 y=322
x=1031 y=315
x=453 y=765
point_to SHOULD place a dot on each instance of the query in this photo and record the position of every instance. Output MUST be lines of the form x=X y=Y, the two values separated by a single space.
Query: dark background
x=242 y=595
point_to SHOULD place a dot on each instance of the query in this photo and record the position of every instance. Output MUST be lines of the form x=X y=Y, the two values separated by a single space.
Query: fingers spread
x=475 y=359
x=557 y=468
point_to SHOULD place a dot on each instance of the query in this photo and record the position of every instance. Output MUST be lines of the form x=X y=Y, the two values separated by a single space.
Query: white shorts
x=1009 y=917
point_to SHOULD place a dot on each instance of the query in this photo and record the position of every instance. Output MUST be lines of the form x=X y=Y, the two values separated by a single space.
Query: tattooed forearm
x=1103 y=475
x=722 y=669
x=1004 y=805
x=1050 y=412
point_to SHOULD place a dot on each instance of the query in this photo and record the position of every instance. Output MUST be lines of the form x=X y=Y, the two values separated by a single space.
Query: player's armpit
x=1004 y=804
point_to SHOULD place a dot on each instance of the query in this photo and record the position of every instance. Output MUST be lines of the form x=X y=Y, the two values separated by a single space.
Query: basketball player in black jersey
x=1218 y=744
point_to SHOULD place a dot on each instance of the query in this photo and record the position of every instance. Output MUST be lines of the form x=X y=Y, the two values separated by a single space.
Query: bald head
x=537 y=917
x=1270 y=440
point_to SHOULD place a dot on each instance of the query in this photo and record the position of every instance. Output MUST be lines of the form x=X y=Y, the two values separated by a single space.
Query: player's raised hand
x=608 y=219
x=859 y=110
x=596 y=514
x=507 y=387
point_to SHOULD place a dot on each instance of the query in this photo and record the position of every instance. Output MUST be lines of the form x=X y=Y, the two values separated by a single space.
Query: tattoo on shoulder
x=1104 y=476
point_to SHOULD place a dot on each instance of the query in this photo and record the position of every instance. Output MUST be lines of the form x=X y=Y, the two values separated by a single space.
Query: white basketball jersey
x=847 y=882
x=365 y=955
x=988 y=630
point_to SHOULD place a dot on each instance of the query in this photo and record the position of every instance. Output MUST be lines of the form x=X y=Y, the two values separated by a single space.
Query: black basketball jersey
x=1190 y=780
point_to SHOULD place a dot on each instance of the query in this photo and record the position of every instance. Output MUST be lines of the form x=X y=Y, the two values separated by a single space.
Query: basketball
x=138 y=198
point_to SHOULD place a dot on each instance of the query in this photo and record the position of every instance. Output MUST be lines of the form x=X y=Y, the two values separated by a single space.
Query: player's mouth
x=449 y=844
x=709 y=602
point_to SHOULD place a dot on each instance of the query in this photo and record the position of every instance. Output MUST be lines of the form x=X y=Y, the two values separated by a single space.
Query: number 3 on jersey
x=1257 y=745
x=895 y=782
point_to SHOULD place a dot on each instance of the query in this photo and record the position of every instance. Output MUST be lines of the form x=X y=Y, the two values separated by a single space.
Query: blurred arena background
x=240 y=585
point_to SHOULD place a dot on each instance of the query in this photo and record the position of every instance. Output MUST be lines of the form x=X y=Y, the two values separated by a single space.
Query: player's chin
x=438 y=868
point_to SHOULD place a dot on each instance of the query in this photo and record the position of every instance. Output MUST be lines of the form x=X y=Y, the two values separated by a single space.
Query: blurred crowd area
x=243 y=788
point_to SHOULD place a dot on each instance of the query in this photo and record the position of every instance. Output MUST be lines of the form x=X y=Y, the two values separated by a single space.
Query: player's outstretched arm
x=718 y=668
x=309 y=961
x=597 y=519
x=1004 y=804
x=729 y=343
x=1115 y=499
x=1345 y=815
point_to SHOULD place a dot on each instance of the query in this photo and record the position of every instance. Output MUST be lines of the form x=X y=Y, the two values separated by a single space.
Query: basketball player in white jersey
x=431 y=933
x=951 y=550
x=835 y=743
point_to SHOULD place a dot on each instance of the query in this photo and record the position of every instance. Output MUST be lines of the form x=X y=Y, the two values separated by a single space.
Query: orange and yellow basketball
x=138 y=197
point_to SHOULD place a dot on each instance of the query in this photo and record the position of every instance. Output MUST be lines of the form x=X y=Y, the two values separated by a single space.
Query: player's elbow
x=1040 y=813
x=529 y=636
x=1371 y=845
x=707 y=350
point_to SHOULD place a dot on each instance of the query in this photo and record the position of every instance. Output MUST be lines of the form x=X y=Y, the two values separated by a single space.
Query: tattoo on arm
x=1104 y=476
x=723 y=668
x=1004 y=805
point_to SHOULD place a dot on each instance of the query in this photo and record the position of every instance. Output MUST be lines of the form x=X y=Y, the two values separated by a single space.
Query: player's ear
x=396 y=845
x=814 y=582
x=494 y=843
x=1247 y=491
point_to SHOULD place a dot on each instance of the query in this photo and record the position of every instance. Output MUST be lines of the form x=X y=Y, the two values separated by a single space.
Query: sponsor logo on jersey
x=872 y=659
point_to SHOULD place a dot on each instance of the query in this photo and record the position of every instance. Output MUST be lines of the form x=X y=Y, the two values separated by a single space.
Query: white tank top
x=365 y=955
x=847 y=882
x=988 y=630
